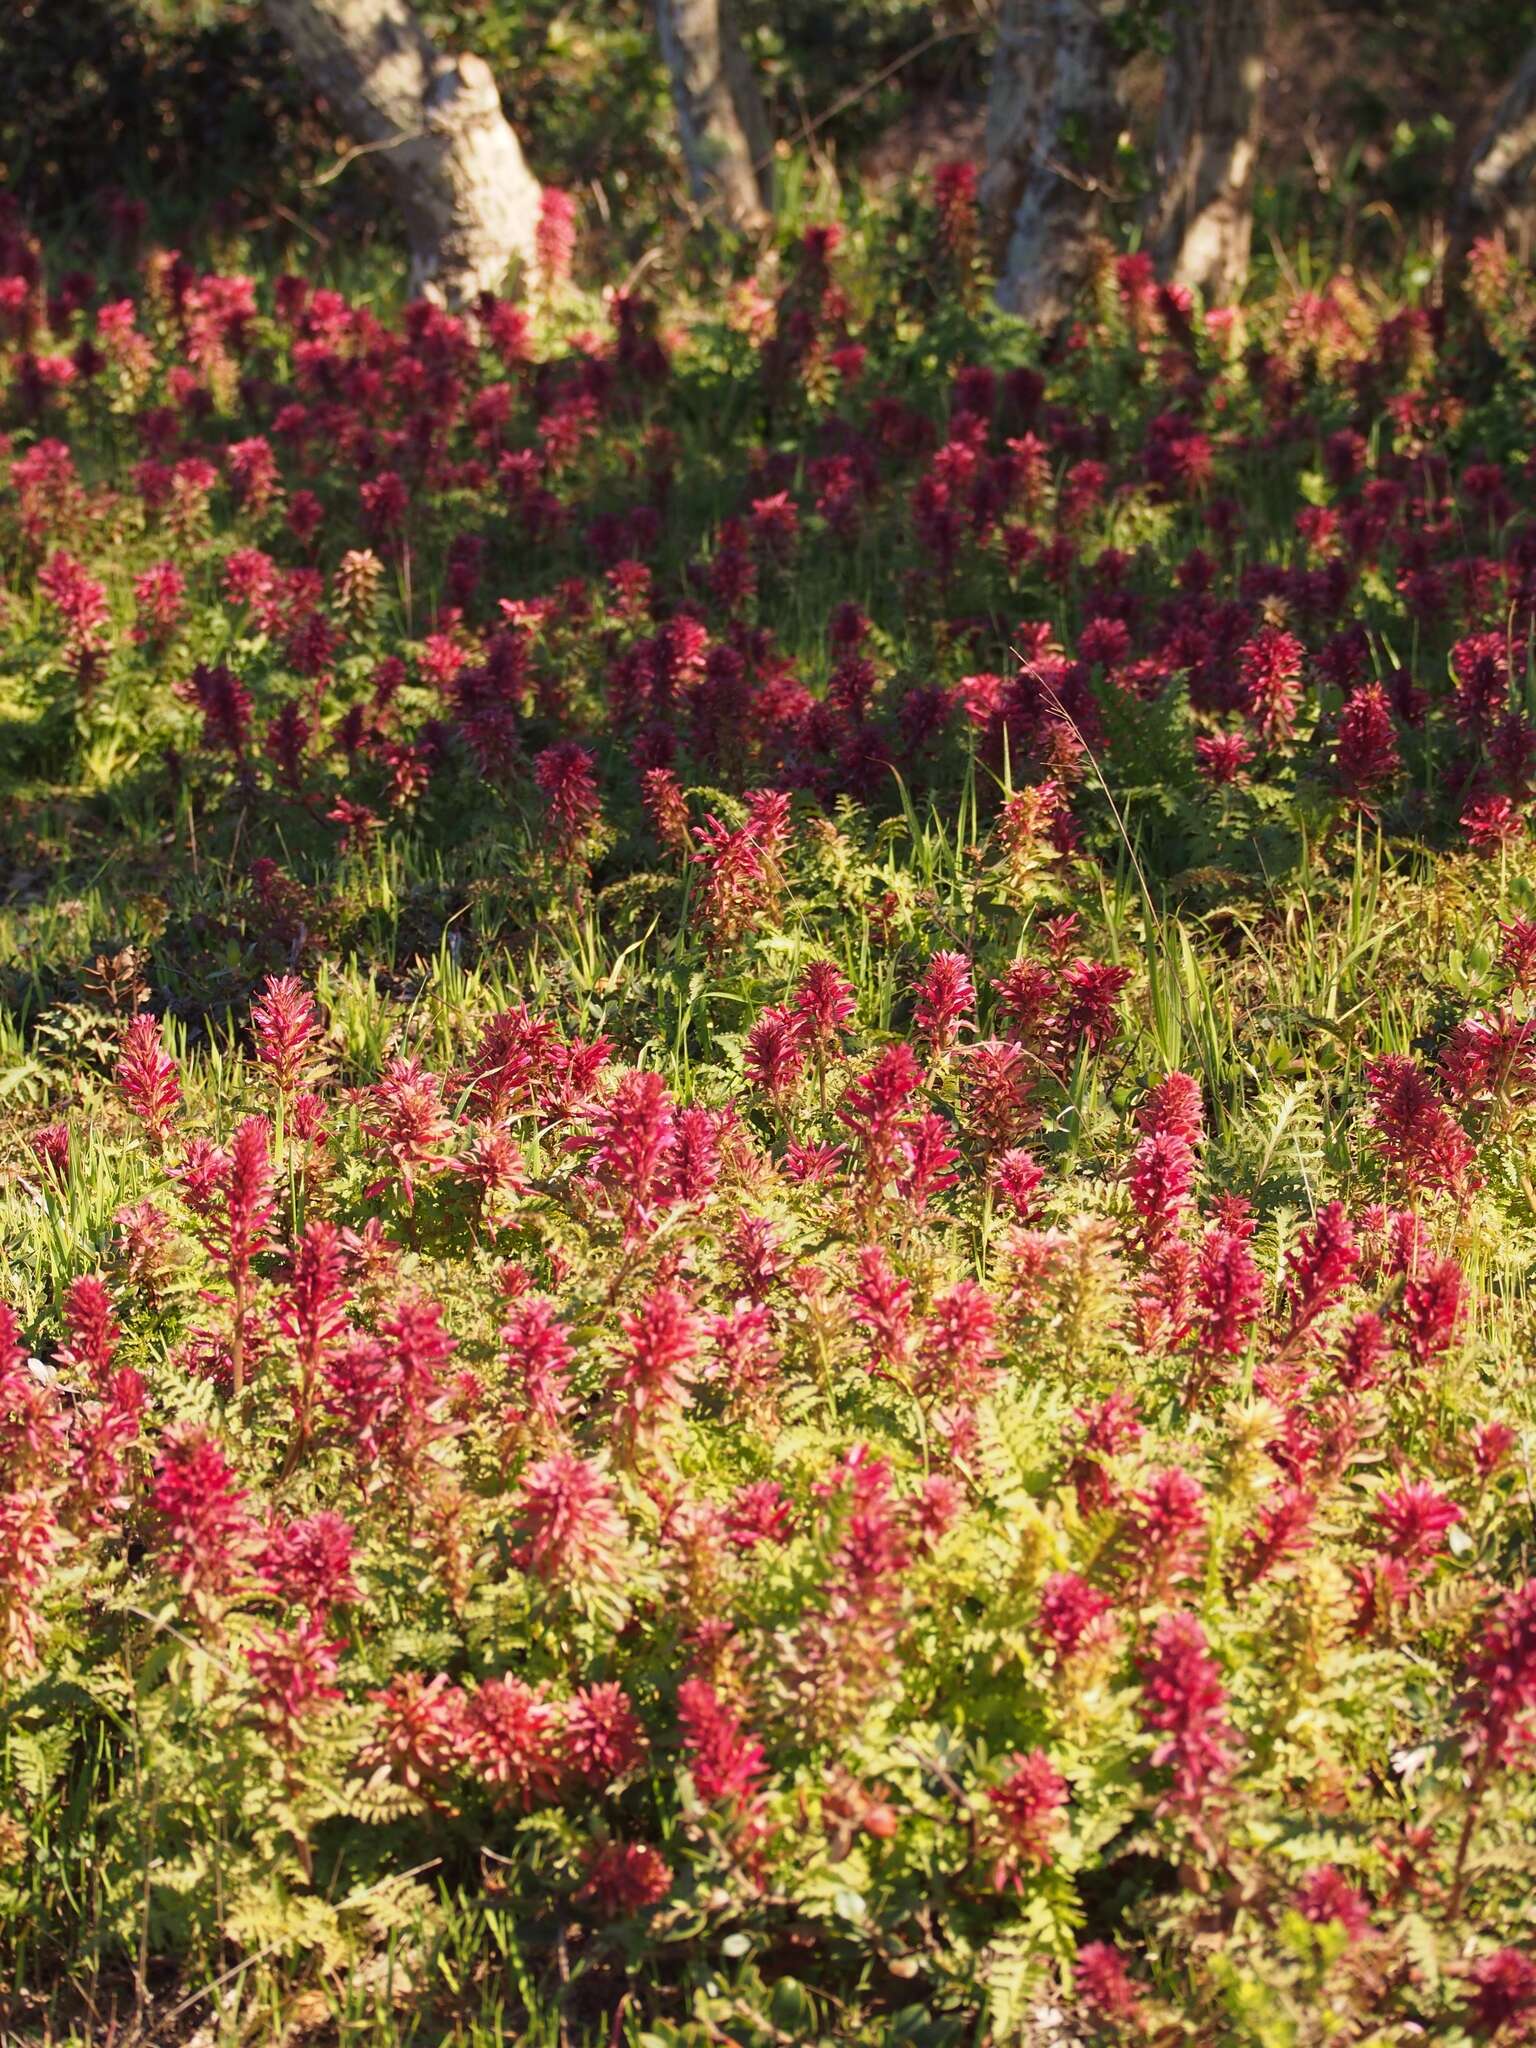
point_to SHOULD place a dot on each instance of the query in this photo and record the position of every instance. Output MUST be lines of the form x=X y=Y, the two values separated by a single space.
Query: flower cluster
x=794 y=1224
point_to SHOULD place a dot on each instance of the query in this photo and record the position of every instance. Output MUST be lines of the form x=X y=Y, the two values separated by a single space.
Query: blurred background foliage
x=194 y=106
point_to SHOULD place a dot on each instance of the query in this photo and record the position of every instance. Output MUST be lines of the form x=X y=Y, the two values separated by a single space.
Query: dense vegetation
x=767 y=1216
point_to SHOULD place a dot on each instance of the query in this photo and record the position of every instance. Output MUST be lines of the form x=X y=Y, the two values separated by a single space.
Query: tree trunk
x=1200 y=218
x=470 y=203
x=720 y=115
x=1053 y=123
x=1496 y=189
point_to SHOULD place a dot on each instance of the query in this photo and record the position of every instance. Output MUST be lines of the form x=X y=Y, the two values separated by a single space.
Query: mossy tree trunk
x=1199 y=222
x=468 y=199
x=1053 y=124
x=1496 y=190
x=720 y=116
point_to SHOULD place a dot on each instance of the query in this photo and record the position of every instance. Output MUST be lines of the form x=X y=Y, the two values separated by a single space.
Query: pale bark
x=720 y=118
x=1053 y=124
x=469 y=202
x=1200 y=218
x=1496 y=191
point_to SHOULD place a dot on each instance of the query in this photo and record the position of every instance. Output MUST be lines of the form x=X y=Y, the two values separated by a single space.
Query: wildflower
x=958 y=1341
x=774 y=1055
x=746 y=1356
x=1093 y=990
x=571 y=1531
x=775 y=524
x=1364 y=1352
x=205 y=1530
x=1269 y=677
x=741 y=870
x=758 y=1514
x=312 y=1308
x=946 y=998
x=1500 y=1698
x=418 y=1349
x=225 y=705
x=804 y=1165
x=1366 y=753
x=1027 y=996
x=1027 y=1808
x=406 y=1120
x=493 y=1166
x=144 y=1242
x=565 y=778
x=1169 y=1527
x=1325 y=1895
x=1417 y=1134
x=293 y=1669
x=1320 y=1265
x=1222 y=757
x=881 y=1301
x=1105 y=1986
x=246 y=576
x=620 y=1879
x=356 y=821
x=1503 y=1995
x=1184 y=1702
x=1431 y=1310
x=954 y=199
x=1173 y=1107
x=1490 y=1060
x=387 y=1393
x=1282 y=1529
x=873 y=1108
x=1109 y=1427
x=158 y=595
x=1480 y=668
x=1165 y=1307
x=33 y=1427
x=1016 y=1176
x=420 y=1732
x=1492 y=822
x=636 y=1134
x=511 y=1057
x=929 y=1157
x=1491 y=1448
x=601 y=1735
x=384 y=501
x=50 y=1148
x=997 y=1082
x=695 y=1159
x=102 y=1432
x=727 y=1763
x=93 y=1329
x=232 y=1193
x=536 y=1346
x=513 y=1742
x=82 y=605
x=358 y=576
x=667 y=809
x=1162 y=1176
x=1229 y=1293
x=655 y=1369
x=1024 y=826
x=1413 y=1519
x=147 y=1077
x=307 y=1563
x=28 y=1537
x=555 y=237
x=1517 y=951
x=286 y=1029
x=1071 y=1613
